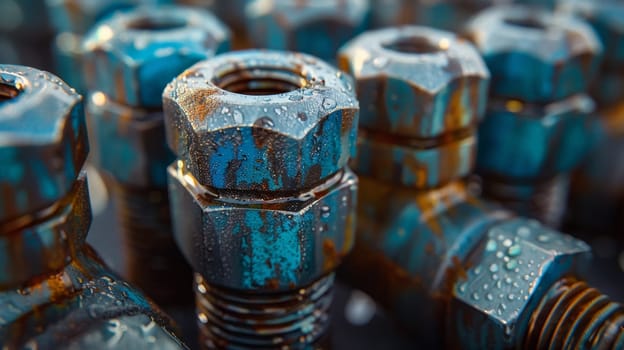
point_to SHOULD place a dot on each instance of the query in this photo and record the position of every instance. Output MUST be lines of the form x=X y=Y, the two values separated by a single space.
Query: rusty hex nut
x=78 y=16
x=547 y=139
x=415 y=81
x=518 y=262
x=255 y=244
x=311 y=26
x=132 y=55
x=44 y=140
x=48 y=245
x=535 y=55
x=128 y=142
x=262 y=121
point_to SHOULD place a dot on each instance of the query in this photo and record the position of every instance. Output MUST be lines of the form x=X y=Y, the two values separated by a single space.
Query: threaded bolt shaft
x=240 y=320
x=152 y=261
x=572 y=315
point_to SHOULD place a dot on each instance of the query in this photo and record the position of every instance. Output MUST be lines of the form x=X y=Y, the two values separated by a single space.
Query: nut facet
x=44 y=142
x=132 y=55
x=128 y=142
x=262 y=120
x=415 y=81
x=518 y=261
x=315 y=27
x=534 y=55
x=258 y=245
x=548 y=140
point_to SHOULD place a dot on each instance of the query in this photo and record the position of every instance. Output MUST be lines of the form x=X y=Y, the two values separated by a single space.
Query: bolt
x=315 y=27
x=129 y=58
x=455 y=270
x=54 y=290
x=261 y=197
x=597 y=193
x=535 y=131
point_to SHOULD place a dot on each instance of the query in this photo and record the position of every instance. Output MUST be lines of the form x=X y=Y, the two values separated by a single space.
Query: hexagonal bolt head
x=50 y=244
x=513 y=269
x=547 y=139
x=45 y=140
x=535 y=55
x=132 y=55
x=415 y=81
x=78 y=16
x=262 y=121
x=253 y=244
x=315 y=27
x=129 y=143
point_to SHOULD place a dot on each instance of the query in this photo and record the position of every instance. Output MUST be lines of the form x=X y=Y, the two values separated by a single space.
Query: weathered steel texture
x=45 y=142
x=318 y=28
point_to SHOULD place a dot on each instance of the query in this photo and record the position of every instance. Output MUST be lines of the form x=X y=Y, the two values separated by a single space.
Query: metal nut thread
x=296 y=319
x=543 y=201
x=573 y=315
x=153 y=263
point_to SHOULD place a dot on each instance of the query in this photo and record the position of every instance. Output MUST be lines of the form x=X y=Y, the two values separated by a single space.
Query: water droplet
x=265 y=122
x=491 y=245
x=295 y=97
x=278 y=111
x=512 y=264
x=524 y=231
x=328 y=103
x=380 y=62
x=543 y=238
x=486 y=286
x=325 y=211
x=477 y=270
x=462 y=287
x=507 y=242
x=475 y=296
x=514 y=250
x=511 y=296
x=225 y=110
x=493 y=268
x=238 y=116
x=489 y=297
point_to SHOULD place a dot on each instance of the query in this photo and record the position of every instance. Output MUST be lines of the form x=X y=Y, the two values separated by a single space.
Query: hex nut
x=49 y=245
x=318 y=28
x=132 y=55
x=548 y=139
x=78 y=16
x=534 y=55
x=262 y=121
x=415 y=81
x=128 y=143
x=518 y=262
x=254 y=244
x=415 y=165
x=44 y=140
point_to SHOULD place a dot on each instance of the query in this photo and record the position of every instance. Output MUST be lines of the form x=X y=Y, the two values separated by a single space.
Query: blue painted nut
x=231 y=137
x=548 y=139
x=274 y=130
x=315 y=27
x=416 y=81
x=534 y=55
x=78 y=16
x=45 y=141
x=48 y=245
x=518 y=262
x=132 y=55
x=128 y=142
x=406 y=114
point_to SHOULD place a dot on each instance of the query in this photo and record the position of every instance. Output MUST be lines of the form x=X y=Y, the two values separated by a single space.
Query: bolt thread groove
x=231 y=319
x=542 y=201
x=572 y=315
x=153 y=262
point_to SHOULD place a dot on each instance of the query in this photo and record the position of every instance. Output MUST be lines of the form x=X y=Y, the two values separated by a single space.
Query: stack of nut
x=536 y=128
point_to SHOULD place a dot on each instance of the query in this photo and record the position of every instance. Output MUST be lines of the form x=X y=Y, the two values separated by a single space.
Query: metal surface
x=129 y=58
x=262 y=201
x=537 y=125
x=315 y=27
x=456 y=271
x=54 y=291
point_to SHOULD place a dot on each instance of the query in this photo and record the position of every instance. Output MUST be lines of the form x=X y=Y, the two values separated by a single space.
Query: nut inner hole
x=530 y=23
x=156 y=24
x=261 y=81
x=414 y=44
x=8 y=92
